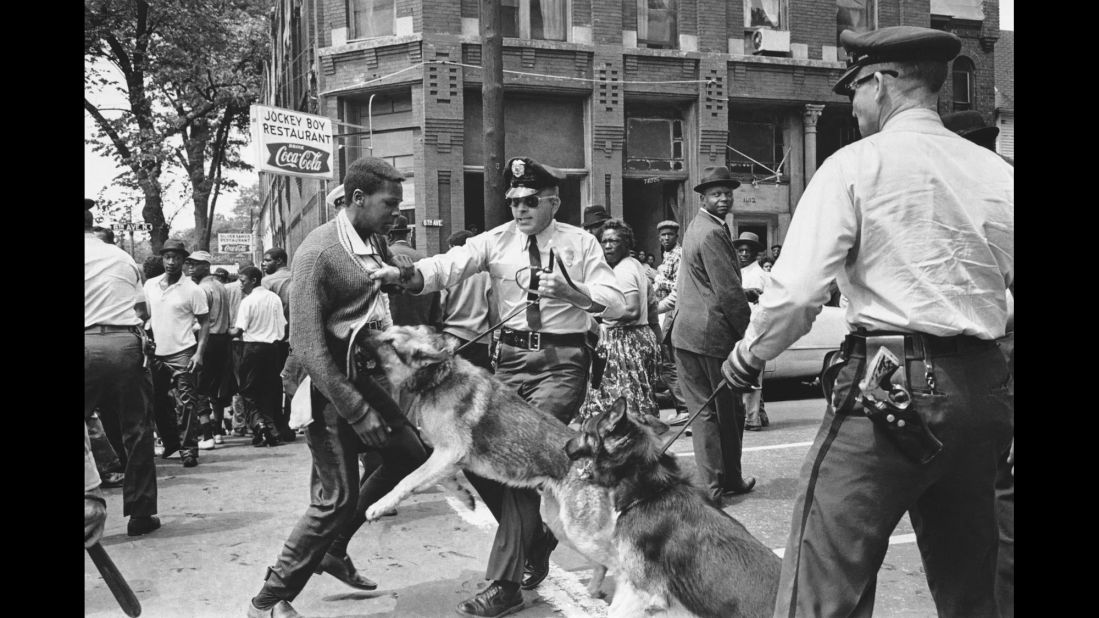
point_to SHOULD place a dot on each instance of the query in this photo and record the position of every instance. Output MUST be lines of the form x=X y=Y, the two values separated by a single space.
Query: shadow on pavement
x=188 y=524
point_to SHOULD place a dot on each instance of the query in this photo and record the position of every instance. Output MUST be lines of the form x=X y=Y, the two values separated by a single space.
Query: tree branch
x=105 y=125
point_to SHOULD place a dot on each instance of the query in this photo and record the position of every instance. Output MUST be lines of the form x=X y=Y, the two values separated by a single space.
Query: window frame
x=747 y=170
x=967 y=69
x=524 y=25
x=783 y=16
x=871 y=24
x=352 y=23
x=643 y=16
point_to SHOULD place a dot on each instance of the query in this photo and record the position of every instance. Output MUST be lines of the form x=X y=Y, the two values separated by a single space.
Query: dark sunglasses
x=854 y=85
x=530 y=201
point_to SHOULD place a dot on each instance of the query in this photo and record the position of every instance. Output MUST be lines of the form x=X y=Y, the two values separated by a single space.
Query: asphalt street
x=225 y=521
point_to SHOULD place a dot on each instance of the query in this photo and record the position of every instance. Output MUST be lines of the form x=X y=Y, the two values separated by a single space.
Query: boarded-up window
x=547 y=128
x=371 y=18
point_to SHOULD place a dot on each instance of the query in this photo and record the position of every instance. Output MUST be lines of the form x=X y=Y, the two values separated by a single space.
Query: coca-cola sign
x=297 y=158
x=292 y=143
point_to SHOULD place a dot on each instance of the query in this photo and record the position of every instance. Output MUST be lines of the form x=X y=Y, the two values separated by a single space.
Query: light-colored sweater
x=330 y=294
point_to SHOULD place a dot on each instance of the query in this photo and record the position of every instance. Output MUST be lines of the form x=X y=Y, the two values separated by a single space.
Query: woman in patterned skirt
x=627 y=343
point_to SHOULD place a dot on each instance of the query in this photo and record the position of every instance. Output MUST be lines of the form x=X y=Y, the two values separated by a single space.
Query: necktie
x=534 y=317
x=725 y=226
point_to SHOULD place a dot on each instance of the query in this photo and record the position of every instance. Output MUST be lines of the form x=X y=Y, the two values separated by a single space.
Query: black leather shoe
x=282 y=609
x=343 y=570
x=537 y=567
x=190 y=460
x=749 y=483
x=112 y=480
x=491 y=602
x=138 y=526
x=271 y=437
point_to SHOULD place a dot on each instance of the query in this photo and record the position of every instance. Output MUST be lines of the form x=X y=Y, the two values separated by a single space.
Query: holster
x=886 y=400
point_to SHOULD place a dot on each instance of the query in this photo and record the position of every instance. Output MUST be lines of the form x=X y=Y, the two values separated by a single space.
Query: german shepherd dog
x=473 y=422
x=677 y=553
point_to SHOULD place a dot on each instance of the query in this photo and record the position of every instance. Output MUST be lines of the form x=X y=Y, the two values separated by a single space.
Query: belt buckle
x=534 y=341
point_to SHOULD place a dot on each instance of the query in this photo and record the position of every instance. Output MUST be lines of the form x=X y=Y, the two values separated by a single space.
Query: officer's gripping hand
x=95 y=517
x=371 y=429
x=552 y=284
x=386 y=275
x=405 y=264
x=739 y=371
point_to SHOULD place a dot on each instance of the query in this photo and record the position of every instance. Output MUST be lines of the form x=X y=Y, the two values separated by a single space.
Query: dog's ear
x=612 y=417
x=652 y=422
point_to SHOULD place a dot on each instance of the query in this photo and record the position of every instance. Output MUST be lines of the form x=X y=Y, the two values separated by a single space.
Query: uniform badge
x=568 y=256
x=518 y=168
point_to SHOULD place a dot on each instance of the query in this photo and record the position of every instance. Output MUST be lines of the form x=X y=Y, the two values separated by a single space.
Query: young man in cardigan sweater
x=332 y=294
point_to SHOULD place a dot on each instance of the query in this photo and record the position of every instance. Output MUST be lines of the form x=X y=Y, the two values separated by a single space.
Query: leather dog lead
x=668 y=444
x=523 y=307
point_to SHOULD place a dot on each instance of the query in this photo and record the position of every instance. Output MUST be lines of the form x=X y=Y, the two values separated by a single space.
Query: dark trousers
x=282 y=411
x=116 y=382
x=855 y=486
x=259 y=384
x=178 y=424
x=719 y=429
x=670 y=377
x=210 y=377
x=1005 y=506
x=554 y=380
x=338 y=500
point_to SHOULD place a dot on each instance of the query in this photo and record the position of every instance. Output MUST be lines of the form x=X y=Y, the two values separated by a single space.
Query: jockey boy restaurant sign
x=292 y=143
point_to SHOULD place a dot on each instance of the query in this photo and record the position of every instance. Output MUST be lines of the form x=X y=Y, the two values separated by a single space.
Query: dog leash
x=724 y=384
x=552 y=258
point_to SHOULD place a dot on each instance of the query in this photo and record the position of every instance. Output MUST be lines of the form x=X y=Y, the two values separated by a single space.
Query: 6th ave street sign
x=132 y=227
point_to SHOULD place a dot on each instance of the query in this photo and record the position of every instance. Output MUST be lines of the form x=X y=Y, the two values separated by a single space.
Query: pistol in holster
x=886 y=400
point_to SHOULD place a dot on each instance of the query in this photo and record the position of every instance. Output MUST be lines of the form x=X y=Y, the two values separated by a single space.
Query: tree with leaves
x=190 y=70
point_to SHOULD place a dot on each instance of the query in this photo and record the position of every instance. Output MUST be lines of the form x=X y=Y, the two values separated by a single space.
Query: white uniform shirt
x=915 y=223
x=502 y=251
x=172 y=310
x=112 y=285
x=261 y=317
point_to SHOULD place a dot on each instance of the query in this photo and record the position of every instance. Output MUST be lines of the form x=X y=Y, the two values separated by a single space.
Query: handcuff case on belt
x=885 y=396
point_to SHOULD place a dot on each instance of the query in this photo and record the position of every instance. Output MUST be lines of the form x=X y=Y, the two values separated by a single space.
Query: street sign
x=292 y=143
x=234 y=243
x=132 y=227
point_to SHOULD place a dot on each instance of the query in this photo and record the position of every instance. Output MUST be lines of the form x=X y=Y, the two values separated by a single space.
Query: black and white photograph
x=581 y=308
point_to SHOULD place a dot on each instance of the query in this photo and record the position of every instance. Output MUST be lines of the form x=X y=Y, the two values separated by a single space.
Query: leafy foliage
x=189 y=71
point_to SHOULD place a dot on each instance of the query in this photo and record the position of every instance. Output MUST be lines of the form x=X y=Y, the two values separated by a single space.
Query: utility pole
x=492 y=111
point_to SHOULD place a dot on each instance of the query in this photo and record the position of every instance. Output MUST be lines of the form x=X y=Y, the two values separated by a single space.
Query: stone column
x=811 y=115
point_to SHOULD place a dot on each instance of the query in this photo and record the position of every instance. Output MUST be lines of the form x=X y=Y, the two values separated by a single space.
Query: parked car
x=805 y=358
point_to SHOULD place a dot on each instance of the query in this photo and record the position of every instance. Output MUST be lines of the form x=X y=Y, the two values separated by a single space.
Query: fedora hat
x=400 y=224
x=714 y=176
x=748 y=238
x=594 y=215
x=174 y=245
x=970 y=125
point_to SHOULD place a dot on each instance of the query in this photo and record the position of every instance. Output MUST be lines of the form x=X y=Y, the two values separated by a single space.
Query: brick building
x=633 y=98
x=1005 y=93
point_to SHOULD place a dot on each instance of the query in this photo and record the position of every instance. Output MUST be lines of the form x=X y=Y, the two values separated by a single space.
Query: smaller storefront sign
x=234 y=243
x=292 y=143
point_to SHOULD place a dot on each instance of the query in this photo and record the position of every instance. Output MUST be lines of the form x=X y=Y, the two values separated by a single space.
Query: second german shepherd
x=678 y=554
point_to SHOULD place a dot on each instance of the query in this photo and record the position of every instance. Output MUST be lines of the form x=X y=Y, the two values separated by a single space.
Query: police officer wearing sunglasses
x=544 y=353
x=916 y=224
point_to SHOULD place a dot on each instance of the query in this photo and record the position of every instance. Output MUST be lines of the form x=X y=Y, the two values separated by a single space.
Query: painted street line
x=561 y=589
x=750 y=449
x=900 y=539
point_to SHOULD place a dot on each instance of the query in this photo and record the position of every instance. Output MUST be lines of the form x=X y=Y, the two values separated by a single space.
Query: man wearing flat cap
x=916 y=225
x=664 y=289
x=543 y=352
x=715 y=313
x=217 y=349
x=175 y=303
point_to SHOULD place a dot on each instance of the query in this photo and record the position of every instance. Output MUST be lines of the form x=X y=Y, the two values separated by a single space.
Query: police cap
x=525 y=176
x=894 y=44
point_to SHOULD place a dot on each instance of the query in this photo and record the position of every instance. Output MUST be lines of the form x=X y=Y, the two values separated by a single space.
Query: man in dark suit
x=710 y=292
